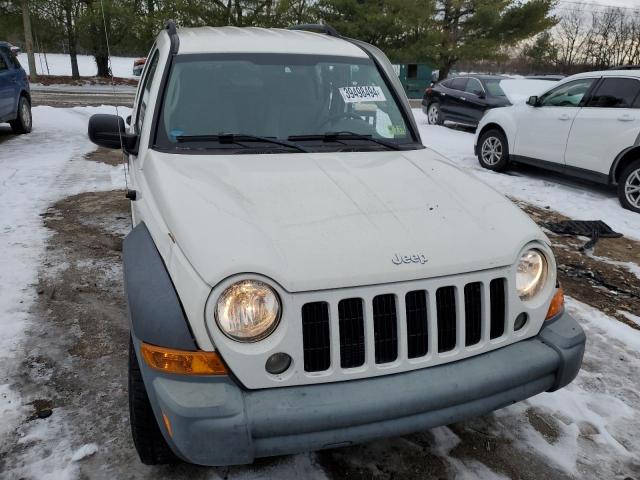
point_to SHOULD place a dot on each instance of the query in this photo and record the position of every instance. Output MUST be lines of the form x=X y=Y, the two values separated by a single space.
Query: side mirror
x=107 y=131
x=533 y=101
x=479 y=93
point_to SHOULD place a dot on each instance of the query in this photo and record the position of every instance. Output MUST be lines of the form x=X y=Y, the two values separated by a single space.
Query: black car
x=463 y=100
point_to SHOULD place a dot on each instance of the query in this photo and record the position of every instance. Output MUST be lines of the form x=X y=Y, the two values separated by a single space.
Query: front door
x=543 y=130
x=7 y=87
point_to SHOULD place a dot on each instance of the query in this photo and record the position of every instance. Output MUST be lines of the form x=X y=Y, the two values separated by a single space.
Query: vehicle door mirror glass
x=533 y=100
x=108 y=131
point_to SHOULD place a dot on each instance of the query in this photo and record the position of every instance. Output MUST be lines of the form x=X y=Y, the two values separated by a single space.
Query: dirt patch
x=67 y=80
x=104 y=155
x=600 y=278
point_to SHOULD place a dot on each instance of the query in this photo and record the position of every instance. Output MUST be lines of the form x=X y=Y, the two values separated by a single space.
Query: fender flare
x=155 y=312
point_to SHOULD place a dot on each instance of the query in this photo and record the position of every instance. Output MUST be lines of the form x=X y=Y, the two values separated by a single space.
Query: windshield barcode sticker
x=362 y=94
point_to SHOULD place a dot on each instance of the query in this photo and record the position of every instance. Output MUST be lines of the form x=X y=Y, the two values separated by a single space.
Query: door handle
x=463 y=99
x=625 y=118
x=564 y=116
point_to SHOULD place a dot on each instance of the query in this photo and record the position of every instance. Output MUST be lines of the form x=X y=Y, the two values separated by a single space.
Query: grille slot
x=498 y=307
x=350 y=313
x=446 y=308
x=417 y=321
x=473 y=313
x=316 y=337
x=385 y=328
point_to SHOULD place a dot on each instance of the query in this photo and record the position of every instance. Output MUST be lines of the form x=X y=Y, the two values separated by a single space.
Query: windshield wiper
x=237 y=138
x=338 y=136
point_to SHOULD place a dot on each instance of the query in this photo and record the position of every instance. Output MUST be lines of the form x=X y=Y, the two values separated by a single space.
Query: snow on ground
x=60 y=64
x=578 y=200
x=598 y=415
x=36 y=170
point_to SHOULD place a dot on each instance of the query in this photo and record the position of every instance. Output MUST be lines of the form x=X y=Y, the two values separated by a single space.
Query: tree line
x=476 y=34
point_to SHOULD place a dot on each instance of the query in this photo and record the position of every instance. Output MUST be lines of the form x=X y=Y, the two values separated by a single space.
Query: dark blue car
x=15 y=96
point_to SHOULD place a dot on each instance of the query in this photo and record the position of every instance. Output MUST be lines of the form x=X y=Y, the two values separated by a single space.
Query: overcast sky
x=602 y=4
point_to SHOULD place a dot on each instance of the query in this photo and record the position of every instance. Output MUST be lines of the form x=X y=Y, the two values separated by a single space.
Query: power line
x=596 y=5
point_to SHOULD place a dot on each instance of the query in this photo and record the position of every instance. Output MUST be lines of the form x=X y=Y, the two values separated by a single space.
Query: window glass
x=615 y=93
x=412 y=70
x=277 y=96
x=567 y=95
x=459 y=83
x=473 y=86
x=494 y=88
x=146 y=90
x=447 y=83
x=3 y=64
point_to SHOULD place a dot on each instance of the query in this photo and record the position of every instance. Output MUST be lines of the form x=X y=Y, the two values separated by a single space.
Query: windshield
x=293 y=98
x=494 y=88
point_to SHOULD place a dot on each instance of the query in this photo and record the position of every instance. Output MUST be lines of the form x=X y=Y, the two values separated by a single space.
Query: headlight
x=531 y=274
x=248 y=311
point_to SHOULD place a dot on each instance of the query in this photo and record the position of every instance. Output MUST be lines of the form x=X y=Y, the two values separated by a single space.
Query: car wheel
x=23 y=123
x=629 y=187
x=434 y=115
x=147 y=437
x=493 y=150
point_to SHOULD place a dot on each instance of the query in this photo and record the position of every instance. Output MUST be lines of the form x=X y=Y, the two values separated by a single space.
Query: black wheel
x=434 y=114
x=23 y=123
x=493 y=150
x=147 y=437
x=629 y=187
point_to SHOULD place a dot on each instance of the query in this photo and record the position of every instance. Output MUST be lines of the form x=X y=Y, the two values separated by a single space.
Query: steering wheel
x=339 y=116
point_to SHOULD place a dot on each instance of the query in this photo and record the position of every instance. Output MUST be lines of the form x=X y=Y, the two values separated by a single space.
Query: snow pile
x=60 y=64
x=578 y=200
x=84 y=451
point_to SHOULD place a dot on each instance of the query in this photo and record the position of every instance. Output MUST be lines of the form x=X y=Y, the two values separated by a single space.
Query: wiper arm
x=337 y=136
x=237 y=138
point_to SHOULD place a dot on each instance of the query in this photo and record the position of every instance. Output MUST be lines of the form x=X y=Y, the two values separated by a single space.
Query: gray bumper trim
x=217 y=423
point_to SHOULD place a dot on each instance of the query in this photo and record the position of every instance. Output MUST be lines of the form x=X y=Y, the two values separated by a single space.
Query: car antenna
x=113 y=89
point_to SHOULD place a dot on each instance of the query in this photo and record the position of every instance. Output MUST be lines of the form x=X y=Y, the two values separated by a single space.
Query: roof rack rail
x=317 y=28
x=172 y=30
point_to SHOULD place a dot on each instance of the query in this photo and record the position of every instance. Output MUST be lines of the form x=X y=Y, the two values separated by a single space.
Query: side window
x=3 y=63
x=11 y=60
x=567 y=95
x=145 y=92
x=473 y=86
x=459 y=83
x=446 y=83
x=615 y=93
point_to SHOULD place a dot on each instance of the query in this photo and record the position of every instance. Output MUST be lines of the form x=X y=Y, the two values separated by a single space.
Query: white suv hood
x=331 y=220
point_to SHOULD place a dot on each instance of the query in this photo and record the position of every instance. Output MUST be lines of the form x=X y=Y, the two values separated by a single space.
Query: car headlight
x=248 y=311
x=531 y=274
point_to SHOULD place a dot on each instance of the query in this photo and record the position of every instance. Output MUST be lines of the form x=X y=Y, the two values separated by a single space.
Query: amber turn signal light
x=182 y=362
x=557 y=304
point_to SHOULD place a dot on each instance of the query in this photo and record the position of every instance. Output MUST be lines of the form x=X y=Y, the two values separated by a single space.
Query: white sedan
x=587 y=126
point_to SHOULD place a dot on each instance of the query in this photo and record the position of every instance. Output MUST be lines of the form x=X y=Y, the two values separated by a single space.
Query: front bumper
x=216 y=422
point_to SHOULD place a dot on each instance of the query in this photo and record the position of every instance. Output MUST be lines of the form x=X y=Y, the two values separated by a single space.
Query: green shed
x=415 y=77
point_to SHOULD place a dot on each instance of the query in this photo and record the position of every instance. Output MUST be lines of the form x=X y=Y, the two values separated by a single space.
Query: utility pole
x=28 y=40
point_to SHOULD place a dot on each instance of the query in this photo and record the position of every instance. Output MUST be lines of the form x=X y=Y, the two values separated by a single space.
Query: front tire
x=434 y=114
x=629 y=187
x=24 y=122
x=150 y=444
x=493 y=150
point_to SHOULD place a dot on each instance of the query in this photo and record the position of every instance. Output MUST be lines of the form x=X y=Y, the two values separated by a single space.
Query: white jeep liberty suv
x=303 y=273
